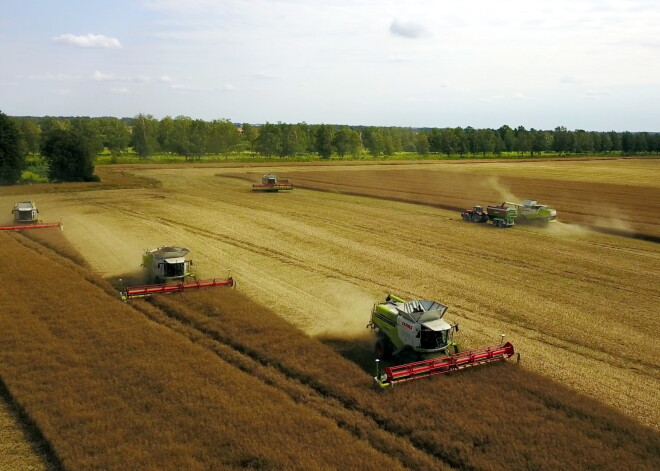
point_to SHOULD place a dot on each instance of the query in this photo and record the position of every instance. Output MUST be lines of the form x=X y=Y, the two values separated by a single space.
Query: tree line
x=195 y=138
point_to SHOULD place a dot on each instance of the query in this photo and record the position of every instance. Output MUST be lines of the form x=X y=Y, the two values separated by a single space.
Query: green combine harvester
x=418 y=328
x=530 y=212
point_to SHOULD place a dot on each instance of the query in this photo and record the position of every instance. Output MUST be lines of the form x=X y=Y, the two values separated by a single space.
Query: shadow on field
x=358 y=350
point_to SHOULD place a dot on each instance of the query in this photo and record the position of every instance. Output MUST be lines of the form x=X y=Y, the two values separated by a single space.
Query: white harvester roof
x=25 y=206
x=170 y=254
x=422 y=311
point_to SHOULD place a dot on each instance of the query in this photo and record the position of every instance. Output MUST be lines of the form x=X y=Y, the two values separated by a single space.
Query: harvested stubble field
x=620 y=196
x=580 y=306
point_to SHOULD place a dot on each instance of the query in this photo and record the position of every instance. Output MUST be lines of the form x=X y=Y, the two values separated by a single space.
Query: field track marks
x=30 y=450
x=380 y=433
x=614 y=360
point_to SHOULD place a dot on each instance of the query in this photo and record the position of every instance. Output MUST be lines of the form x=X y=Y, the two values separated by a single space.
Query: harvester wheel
x=383 y=349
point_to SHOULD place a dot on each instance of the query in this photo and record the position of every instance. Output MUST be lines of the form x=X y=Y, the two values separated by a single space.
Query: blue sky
x=582 y=64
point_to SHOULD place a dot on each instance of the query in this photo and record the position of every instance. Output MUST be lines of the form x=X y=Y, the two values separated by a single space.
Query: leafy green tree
x=563 y=141
x=347 y=142
x=49 y=123
x=422 y=143
x=12 y=151
x=499 y=143
x=323 y=138
x=641 y=142
x=373 y=141
x=31 y=134
x=508 y=138
x=627 y=143
x=69 y=156
x=461 y=141
x=90 y=129
x=249 y=134
x=115 y=133
x=540 y=141
x=223 y=136
x=616 y=140
x=446 y=142
x=144 y=139
x=483 y=141
x=523 y=143
x=269 y=141
x=390 y=142
x=165 y=134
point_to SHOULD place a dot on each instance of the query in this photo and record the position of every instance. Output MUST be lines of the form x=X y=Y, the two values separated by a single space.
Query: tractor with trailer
x=476 y=214
x=501 y=216
x=169 y=270
x=26 y=216
x=418 y=328
x=271 y=183
x=507 y=214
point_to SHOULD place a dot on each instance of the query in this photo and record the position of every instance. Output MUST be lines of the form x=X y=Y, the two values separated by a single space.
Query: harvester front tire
x=383 y=349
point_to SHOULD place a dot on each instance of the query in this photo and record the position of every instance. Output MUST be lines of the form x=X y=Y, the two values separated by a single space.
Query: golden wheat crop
x=213 y=379
x=579 y=305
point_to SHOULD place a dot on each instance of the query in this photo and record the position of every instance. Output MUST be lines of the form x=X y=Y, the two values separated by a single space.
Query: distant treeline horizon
x=194 y=138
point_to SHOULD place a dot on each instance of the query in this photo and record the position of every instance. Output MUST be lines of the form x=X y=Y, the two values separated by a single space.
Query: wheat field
x=580 y=306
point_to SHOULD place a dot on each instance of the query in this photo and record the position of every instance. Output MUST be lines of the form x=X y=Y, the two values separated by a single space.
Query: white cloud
x=493 y=98
x=166 y=79
x=185 y=88
x=88 y=40
x=569 y=80
x=120 y=90
x=103 y=77
x=100 y=76
x=398 y=58
x=521 y=96
x=262 y=76
x=408 y=29
x=596 y=94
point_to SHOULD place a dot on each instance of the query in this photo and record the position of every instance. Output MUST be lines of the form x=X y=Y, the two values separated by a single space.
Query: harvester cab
x=25 y=212
x=26 y=216
x=270 y=182
x=167 y=264
x=168 y=269
x=418 y=326
x=411 y=325
x=269 y=179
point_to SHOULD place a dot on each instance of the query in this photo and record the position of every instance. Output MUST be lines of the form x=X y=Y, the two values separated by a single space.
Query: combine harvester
x=26 y=216
x=403 y=327
x=507 y=214
x=271 y=183
x=168 y=268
